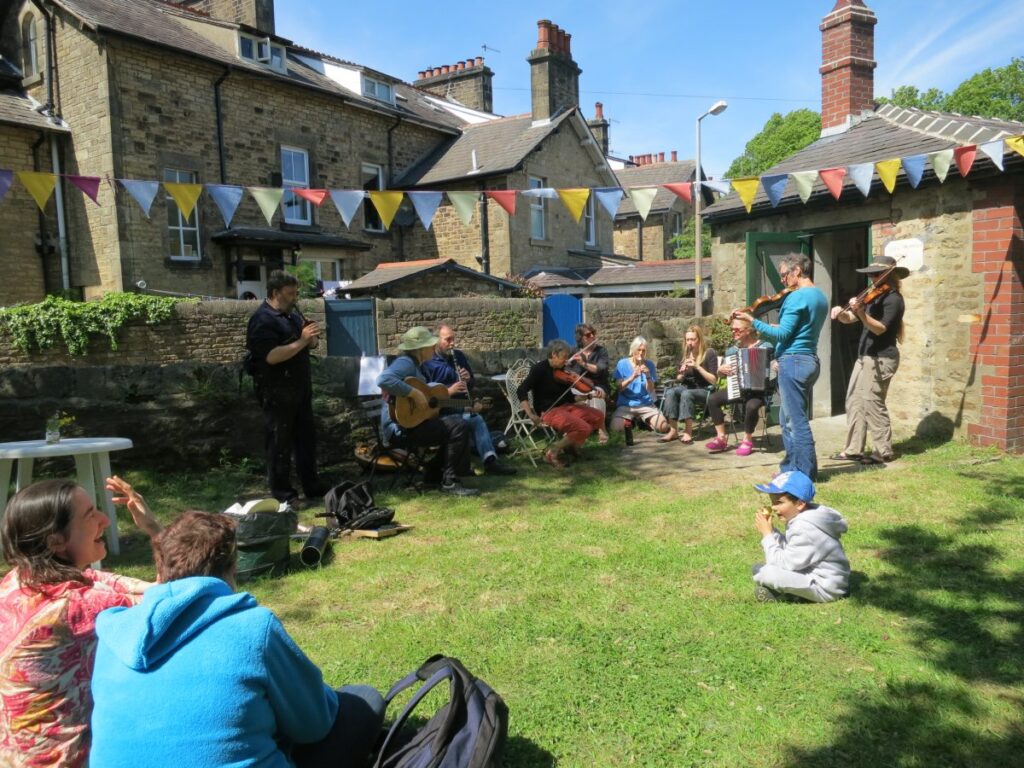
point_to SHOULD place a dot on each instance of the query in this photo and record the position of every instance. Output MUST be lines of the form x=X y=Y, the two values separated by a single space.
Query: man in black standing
x=279 y=338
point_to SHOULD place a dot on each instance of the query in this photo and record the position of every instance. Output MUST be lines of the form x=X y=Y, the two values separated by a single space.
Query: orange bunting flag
x=315 y=196
x=684 y=191
x=39 y=185
x=964 y=157
x=1016 y=143
x=833 y=178
x=887 y=170
x=747 y=189
x=185 y=195
x=575 y=200
x=506 y=199
x=386 y=204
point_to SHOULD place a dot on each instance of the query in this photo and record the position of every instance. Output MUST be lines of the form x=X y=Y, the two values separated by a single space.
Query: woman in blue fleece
x=198 y=675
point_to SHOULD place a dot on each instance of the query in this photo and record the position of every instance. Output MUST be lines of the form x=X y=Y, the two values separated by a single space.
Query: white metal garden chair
x=520 y=428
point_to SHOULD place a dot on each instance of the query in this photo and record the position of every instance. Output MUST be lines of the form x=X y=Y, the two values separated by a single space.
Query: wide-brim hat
x=417 y=337
x=883 y=263
x=794 y=482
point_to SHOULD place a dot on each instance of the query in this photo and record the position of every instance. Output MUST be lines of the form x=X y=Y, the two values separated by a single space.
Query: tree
x=780 y=138
x=991 y=93
x=909 y=96
x=682 y=244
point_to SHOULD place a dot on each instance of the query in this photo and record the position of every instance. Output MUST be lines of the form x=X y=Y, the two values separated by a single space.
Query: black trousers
x=449 y=431
x=289 y=430
x=752 y=402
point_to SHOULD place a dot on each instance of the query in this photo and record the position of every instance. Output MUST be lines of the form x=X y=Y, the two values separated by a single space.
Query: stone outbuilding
x=427 y=279
x=624 y=279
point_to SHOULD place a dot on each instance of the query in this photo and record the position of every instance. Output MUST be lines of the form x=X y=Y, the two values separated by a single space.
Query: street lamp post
x=716 y=109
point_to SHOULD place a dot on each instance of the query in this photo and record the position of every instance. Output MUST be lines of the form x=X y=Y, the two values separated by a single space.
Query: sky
x=657 y=65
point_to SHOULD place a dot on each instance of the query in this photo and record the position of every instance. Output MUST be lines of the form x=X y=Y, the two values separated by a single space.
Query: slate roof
x=638 y=273
x=890 y=132
x=18 y=109
x=393 y=272
x=650 y=175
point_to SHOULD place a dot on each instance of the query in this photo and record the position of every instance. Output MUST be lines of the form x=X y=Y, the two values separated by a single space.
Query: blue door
x=562 y=313
x=350 y=328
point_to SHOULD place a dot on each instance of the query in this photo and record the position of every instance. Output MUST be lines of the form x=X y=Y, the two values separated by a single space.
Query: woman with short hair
x=637 y=376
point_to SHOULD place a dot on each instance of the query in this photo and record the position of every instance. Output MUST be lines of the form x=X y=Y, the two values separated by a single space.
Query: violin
x=869 y=294
x=765 y=304
x=579 y=383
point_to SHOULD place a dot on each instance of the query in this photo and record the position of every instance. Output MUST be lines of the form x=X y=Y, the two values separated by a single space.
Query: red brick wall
x=998 y=340
x=847 y=63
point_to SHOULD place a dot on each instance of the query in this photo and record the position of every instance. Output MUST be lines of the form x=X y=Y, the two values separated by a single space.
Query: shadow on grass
x=967 y=618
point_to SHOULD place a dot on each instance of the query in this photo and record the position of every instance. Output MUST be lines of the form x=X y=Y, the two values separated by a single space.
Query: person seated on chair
x=200 y=675
x=697 y=373
x=450 y=432
x=751 y=401
x=637 y=377
x=553 y=405
x=450 y=367
x=591 y=360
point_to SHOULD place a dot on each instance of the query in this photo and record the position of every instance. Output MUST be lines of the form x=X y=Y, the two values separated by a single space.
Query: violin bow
x=578 y=377
x=885 y=274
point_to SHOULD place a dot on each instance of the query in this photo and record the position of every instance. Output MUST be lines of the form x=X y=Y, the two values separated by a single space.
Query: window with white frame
x=589 y=222
x=295 y=173
x=377 y=89
x=325 y=269
x=373 y=180
x=29 y=48
x=677 y=224
x=183 y=239
x=262 y=51
x=538 y=211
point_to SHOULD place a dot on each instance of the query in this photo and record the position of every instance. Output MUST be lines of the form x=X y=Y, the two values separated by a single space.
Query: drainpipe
x=640 y=240
x=44 y=240
x=485 y=244
x=218 y=109
x=391 y=159
x=62 y=232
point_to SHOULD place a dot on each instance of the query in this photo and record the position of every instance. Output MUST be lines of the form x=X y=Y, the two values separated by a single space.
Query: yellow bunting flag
x=887 y=170
x=747 y=189
x=575 y=200
x=185 y=195
x=39 y=185
x=803 y=181
x=386 y=204
x=268 y=199
x=465 y=204
x=1016 y=143
x=643 y=198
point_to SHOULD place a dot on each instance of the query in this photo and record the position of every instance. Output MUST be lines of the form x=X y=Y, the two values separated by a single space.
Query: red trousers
x=574 y=421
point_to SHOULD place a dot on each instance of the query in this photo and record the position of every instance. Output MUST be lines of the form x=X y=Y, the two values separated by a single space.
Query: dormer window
x=378 y=90
x=262 y=51
x=29 y=52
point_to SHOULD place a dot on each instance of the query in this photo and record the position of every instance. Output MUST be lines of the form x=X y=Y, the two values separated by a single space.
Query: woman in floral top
x=49 y=600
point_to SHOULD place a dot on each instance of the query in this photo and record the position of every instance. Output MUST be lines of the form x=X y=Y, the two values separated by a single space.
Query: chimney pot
x=469 y=63
x=543 y=34
x=598 y=111
x=445 y=69
x=479 y=61
x=630 y=158
x=422 y=74
x=568 y=44
x=437 y=71
x=661 y=157
x=460 y=66
x=675 y=156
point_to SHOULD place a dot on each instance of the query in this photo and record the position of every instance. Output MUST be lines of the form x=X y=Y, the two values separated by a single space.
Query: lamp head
x=718 y=107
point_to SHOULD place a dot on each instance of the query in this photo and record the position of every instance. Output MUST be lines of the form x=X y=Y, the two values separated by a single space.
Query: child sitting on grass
x=807 y=561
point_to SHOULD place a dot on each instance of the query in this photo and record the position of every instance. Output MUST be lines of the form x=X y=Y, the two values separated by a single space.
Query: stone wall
x=19 y=221
x=662 y=322
x=655 y=232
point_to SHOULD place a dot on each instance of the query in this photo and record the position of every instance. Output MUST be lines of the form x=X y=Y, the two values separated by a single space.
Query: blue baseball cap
x=795 y=483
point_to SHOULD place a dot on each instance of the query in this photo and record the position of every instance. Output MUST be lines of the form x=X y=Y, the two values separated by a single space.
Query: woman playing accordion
x=751 y=397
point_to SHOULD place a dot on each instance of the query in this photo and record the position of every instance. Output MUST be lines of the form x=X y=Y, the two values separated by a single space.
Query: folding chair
x=520 y=428
x=765 y=417
x=407 y=462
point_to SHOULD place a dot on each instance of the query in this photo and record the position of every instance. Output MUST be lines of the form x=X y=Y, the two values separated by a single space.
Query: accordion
x=749 y=371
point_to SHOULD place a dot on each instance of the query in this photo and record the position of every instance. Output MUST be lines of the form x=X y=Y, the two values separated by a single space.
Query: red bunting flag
x=506 y=199
x=833 y=178
x=315 y=196
x=684 y=191
x=90 y=185
x=964 y=157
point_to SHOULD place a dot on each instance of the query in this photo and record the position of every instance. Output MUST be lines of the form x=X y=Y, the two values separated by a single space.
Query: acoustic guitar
x=407 y=414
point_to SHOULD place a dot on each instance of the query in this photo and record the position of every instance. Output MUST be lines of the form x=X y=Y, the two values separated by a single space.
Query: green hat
x=417 y=337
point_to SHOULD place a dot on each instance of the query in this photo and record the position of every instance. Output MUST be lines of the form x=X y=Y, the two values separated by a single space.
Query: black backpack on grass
x=350 y=506
x=466 y=732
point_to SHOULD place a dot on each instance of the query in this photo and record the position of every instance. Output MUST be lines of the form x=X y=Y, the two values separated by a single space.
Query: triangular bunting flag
x=941 y=161
x=315 y=196
x=6 y=179
x=684 y=191
x=1016 y=143
x=546 y=192
x=39 y=185
x=227 y=197
x=643 y=198
x=833 y=178
x=993 y=150
x=609 y=198
x=465 y=204
x=721 y=186
x=887 y=170
x=803 y=181
x=386 y=203
x=913 y=165
x=142 y=192
x=774 y=186
x=862 y=173
x=426 y=204
x=964 y=157
x=746 y=188
x=575 y=200
x=268 y=199
x=347 y=202
x=506 y=198
x=185 y=195
x=90 y=185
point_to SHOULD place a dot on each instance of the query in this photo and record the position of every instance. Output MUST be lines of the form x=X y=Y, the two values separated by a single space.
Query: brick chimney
x=258 y=14
x=599 y=127
x=554 y=76
x=467 y=82
x=847 y=65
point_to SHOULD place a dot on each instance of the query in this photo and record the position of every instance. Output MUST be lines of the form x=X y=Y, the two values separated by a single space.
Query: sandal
x=686 y=439
x=717 y=445
x=745 y=448
x=841 y=456
x=872 y=460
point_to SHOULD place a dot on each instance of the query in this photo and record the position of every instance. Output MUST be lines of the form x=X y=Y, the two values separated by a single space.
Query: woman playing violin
x=697 y=373
x=591 y=361
x=637 y=377
x=880 y=311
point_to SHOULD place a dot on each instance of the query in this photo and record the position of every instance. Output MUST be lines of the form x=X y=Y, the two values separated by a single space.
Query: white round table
x=92 y=467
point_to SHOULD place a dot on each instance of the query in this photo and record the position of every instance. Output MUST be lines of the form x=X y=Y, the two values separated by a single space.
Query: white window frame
x=291 y=201
x=677 y=224
x=318 y=268
x=538 y=211
x=29 y=45
x=379 y=90
x=176 y=231
x=589 y=222
x=369 y=225
x=263 y=52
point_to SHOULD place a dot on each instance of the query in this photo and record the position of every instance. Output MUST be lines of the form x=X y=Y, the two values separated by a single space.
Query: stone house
x=962 y=368
x=650 y=239
x=631 y=279
x=428 y=279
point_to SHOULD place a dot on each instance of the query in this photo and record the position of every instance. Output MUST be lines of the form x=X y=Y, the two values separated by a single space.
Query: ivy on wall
x=35 y=327
x=509 y=328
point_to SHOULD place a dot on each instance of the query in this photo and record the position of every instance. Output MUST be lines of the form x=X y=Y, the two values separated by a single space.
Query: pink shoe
x=746 y=448
x=717 y=445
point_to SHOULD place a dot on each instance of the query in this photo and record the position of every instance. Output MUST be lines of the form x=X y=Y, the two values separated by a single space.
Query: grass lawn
x=620 y=627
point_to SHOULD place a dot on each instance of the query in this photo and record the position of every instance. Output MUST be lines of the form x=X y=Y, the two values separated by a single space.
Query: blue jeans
x=797 y=374
x=355 y=733
x=481 y=435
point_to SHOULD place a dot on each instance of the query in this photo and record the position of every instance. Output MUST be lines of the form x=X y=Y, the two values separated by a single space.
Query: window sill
x=542 y=243
x=202 y=262
x=375 y=232
x=294 y=226
x=31 y=80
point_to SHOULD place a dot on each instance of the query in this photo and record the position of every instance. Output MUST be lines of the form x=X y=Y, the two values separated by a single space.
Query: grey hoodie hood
x=825 y=519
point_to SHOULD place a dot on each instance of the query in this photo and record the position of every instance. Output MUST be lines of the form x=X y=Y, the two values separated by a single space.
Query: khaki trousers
x=865 y=405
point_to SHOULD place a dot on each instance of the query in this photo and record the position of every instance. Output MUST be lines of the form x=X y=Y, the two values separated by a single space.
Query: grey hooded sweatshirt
x=811 y=546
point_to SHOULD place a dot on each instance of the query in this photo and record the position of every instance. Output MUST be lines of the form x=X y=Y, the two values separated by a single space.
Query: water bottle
x=627 y=428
